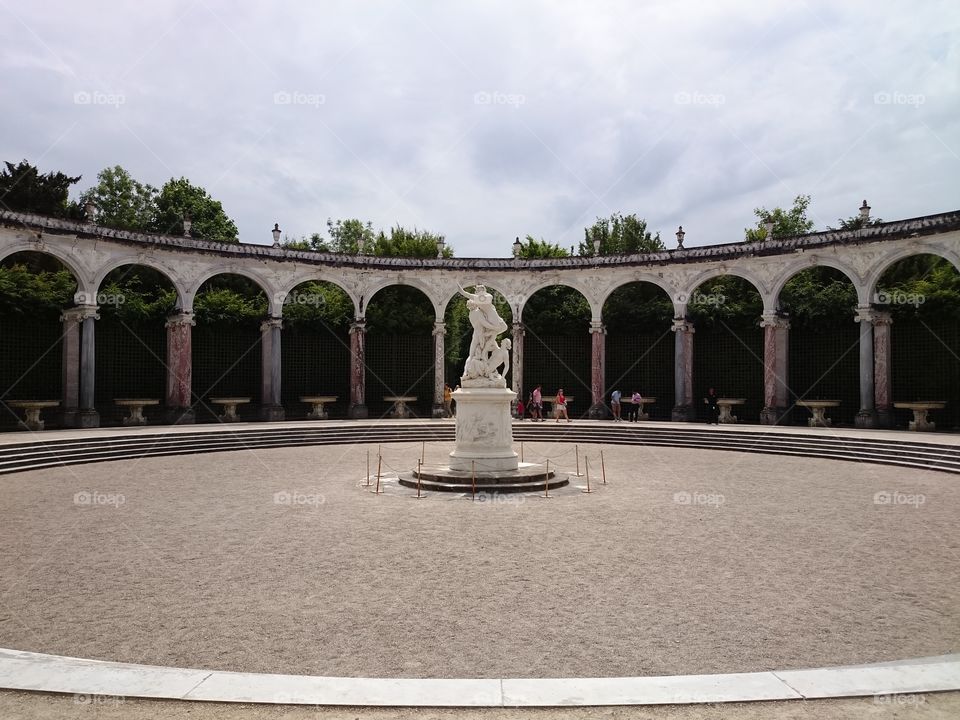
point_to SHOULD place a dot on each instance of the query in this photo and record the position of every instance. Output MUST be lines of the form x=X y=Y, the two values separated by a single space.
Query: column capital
x=597 y=326
x=271 y=322
x=774 y=320
x=682 y=325
x=359 y=325
x=866 y=313
x=181 y=318
x=439 y=327
x=80 y=313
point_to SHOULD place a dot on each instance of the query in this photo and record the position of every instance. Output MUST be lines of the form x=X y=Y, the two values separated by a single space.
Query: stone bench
x=920 y=408
x=318 y=401
x=31 y=410
x=726 y=405
x=400 y=409
x=229 y=407
x=819 y=410
x=136 y=406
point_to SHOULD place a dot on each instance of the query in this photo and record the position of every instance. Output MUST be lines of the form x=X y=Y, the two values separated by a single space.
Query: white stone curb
x=20 y=670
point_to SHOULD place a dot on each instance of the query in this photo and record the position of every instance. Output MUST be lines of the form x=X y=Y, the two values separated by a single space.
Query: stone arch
x=641 y=278
x=291 y=284
x=805 y=263
x=682 y=298
x=85 y=285
x=274 y=307
x=550 y=282
x=164 y=269
x=873 y=277
x=368 y=293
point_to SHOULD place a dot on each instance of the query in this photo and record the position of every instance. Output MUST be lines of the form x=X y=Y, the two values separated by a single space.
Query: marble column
x=867 y=416
x=776 y=354
x=271 y=407
x=598 y=335
x=87 y=417
x=358 y=369
x=882 y=389
x=517 y=363
x=439 y=333
x=70 y=366
x=683 y=408
x=179 y=399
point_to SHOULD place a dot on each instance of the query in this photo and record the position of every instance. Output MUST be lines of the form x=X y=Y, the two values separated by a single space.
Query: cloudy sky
x=484 y=121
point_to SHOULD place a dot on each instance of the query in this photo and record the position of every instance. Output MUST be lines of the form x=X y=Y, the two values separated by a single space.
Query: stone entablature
x=91 y=251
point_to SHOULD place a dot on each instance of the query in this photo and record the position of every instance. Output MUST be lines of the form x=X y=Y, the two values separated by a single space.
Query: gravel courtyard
x=279 y=561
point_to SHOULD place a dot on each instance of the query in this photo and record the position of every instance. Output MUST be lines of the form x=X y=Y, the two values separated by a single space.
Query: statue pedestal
x=484 y=430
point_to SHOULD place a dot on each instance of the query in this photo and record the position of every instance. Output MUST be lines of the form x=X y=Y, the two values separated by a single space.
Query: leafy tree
x=318 y=304
x=620 y=234
x=314 y=243
x=24 y=189
x=147 y=295
x=346 y=236
x=729 y=300
x=819 y=296
x=557 y=310
x=408 y=243
x=121 y=201
x=230 y=299
x=786 y=223
x=33 y=284
x=855 y=223
x=635 y=306
x=533 y=249
x=178 y=198
x=400 y=310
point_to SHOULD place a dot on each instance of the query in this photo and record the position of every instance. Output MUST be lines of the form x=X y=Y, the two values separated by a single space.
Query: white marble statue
x=486 y=356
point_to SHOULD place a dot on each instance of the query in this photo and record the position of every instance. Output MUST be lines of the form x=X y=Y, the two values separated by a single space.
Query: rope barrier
x=473 y=475
x=577 y=448
x=419 y=479
x=546 y=481
x=603 y=468
x=586 y=460
x=379 y=460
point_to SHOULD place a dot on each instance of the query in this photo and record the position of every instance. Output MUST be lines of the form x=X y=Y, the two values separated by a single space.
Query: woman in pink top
x=562 y=406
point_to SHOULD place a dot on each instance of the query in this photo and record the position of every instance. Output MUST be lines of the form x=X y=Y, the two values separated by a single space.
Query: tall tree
x=348 y=236
x=409 y=243
x=24 y=189
x=786 y=223
x=178 y=198
x=533 y=249
x=121 y=201
x=620 y=234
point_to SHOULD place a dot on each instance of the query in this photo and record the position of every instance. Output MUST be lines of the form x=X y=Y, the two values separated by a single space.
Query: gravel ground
x=686 y=562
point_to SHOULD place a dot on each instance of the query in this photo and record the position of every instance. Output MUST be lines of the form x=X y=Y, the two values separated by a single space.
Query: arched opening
x=316 y=347
x=824 y=343
x=922 y=295
x=226 y=349
x=557 y=346
x=134 y=302
x=35 y=288
x=399 y=350
x=639 y=349
x=459 y=332
x=728 y=344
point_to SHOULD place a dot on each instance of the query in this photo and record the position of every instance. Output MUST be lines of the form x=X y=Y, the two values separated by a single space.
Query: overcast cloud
x=484 y=121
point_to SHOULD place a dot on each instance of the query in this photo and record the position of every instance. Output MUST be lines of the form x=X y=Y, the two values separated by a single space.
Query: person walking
x=447 y=401
x=536 y=404
x=713 y=409
x=521 y=410
x=615 y=405
x=561 y=405
x=636 y=399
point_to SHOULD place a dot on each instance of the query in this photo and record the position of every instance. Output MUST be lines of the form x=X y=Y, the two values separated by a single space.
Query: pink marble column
x=776 y=391
x=598 y=410
x=439 y=333
x=70 y=366
x=271 y=407
x=882 y=390
x=683 y=409
x=358 y=369
x=179 y=398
